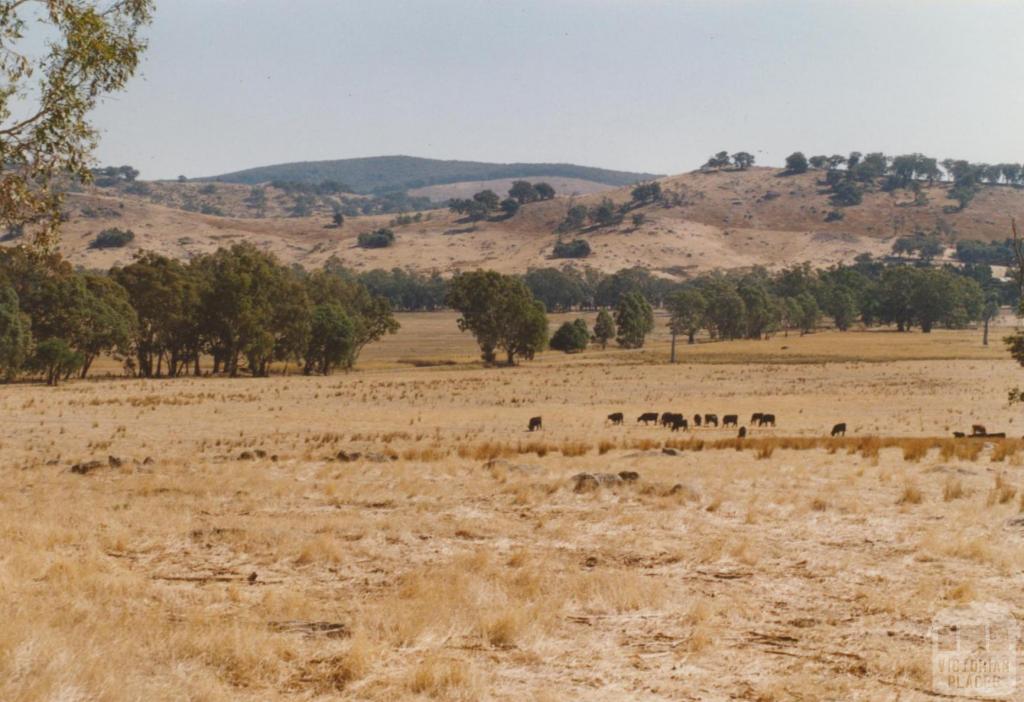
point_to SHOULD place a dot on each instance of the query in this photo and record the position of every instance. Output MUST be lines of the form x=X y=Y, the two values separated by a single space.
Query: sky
x=640 y=85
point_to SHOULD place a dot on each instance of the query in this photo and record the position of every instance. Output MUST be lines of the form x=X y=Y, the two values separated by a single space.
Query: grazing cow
x=696 y=420
x=839 y=429
x=755 y=418
x=678 y=421
x=978 y=429
x=616 y=418
x=535 y=423
x=666 y=419
x=767 y=420
x=731 y=420
x=742 y=433
x=959 y=435
x=648 y=417
x=710 y=419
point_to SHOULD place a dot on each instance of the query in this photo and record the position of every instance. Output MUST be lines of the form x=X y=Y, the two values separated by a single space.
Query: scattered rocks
x=586 y=482
x=86 y=467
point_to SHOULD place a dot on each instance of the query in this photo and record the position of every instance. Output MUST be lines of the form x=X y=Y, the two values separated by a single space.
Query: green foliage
x=55 y=359
x=995 y=253
x=544 y=191
x=645 y=193
x=687 y=309
x=489 y=199
x=846 y=193
x=719 y=160
x=559 y=290
x=509 y=206
x=604 y=328
x=634 y=320
x=15 y=334
x=796 y=162
x=501 y=313
x=743 y=160
x=331 y=339
x=48 y=94
x=377 y=239
x=571 y=337
x=605 y=213
x=575 y=218
x=112 y=239
x=523 y=191
x=725 y=313
x=577 y=248
x=924 y=246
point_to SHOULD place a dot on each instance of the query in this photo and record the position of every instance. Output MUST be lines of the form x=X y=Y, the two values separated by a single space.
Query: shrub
x=834 y=216
x=378 y=239
x=571 y=337
x=112 y=239
x=577 y=248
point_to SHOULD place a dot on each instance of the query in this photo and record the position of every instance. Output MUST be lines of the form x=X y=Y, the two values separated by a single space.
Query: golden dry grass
x=411 y=540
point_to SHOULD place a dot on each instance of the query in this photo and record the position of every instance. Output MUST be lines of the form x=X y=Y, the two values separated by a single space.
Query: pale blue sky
x=646 y=85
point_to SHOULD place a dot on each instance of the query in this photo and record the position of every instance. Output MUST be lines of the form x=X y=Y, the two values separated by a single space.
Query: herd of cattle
x=676 y=421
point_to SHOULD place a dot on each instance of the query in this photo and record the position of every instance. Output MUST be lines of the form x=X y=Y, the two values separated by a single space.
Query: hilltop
x=706 y=220
x=383 y=174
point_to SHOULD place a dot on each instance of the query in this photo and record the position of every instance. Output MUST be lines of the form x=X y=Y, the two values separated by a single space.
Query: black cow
x=767 y=420
x=666 y=419
x=616 y=418
x=535 y=423
x=755 y=418
x=959 y=435
x=696 y=420
x=648 y=417
x=978 y=430
x=743 y=433
x=710 y=419
x=679 y=422
x=839 y=429
x=731 y=420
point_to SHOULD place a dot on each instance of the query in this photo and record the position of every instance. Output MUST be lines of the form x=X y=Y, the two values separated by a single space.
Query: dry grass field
x=395 y=533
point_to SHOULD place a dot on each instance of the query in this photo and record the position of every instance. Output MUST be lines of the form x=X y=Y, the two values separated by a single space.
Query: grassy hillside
x=725 y=219
x=389 y=173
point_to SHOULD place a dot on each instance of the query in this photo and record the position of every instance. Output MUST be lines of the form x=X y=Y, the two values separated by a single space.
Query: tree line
x=238 y=307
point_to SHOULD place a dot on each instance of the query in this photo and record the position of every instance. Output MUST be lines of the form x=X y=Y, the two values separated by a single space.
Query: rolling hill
x=708 y=220
x=391 y=173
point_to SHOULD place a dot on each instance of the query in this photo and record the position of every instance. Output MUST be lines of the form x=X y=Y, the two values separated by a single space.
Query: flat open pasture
x=395 y=533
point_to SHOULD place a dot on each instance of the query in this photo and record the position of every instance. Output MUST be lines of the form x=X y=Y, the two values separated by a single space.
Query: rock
x=670 y=452
x=629 y=476
x=245 y=456
x=585 y=482
x=148 y=461
x=348 y=457
x=114 y=462
x=86 y=467
x=260 y=453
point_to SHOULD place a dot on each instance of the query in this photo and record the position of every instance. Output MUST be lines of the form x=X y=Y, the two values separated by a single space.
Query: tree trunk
x=511 y=358
x=691 y=337
x=984 y=339
x=672 y=358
